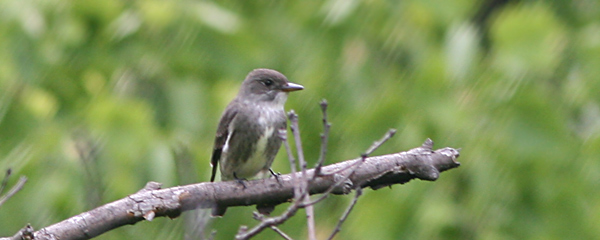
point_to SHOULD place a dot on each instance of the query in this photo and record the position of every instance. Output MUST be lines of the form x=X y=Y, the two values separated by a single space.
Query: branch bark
x=150 y=202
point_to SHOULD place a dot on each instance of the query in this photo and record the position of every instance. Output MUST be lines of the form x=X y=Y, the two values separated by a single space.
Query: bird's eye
x=268 y=82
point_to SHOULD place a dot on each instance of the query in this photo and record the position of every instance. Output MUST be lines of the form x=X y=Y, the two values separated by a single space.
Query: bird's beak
x=290 y=87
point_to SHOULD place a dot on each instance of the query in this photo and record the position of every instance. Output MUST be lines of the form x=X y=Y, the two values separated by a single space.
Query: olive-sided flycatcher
x=247 y=137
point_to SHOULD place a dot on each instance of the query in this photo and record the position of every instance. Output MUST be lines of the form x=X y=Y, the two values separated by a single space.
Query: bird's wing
x=221 y=138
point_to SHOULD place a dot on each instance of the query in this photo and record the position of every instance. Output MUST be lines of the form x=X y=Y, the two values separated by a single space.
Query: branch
x=16 y=188
x=375 y=172
x=310 y=217
x=244 y=233
x=324 y=138
x=338 y=228
x=5 y=180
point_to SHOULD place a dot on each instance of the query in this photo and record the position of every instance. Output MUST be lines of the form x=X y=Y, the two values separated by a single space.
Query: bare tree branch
x=304 y=183
x=281 y=233
x=342 y=179
x=282 y=135
x=324 y=138
x=261 y=217
x=5 y=180
x=390 y=133
x=16 y=188
x=346 y=213
x=244 y=233
x=376 y=172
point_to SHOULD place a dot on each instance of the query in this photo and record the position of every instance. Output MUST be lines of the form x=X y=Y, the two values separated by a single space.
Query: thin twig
x=326 y=194
x=346 y=213
x=16 y=188
x=281 y=233
x=267 y=222
x=5 y=180
x=283 y=136
x=261 y=217
x=358 y=190
x=390 y=133
x=324 y=139
x=296 y=133
x=348 y=166
x=310 y=217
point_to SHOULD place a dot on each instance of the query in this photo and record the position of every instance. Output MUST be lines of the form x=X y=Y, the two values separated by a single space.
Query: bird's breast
x=270 y=114
x=258 y=159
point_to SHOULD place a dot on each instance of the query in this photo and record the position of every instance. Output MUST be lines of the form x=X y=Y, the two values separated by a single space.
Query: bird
x=247 y=138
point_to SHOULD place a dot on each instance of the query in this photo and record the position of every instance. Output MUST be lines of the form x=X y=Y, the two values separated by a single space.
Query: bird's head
x=267 y=85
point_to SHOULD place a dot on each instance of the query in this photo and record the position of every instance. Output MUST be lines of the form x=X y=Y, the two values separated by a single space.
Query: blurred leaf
x=527 y=38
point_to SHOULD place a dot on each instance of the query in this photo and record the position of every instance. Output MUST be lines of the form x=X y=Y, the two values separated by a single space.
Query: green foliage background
x=141 y=84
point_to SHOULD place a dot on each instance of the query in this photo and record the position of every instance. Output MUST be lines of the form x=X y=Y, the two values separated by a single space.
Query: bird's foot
x=240 y=180
x=276 y=175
